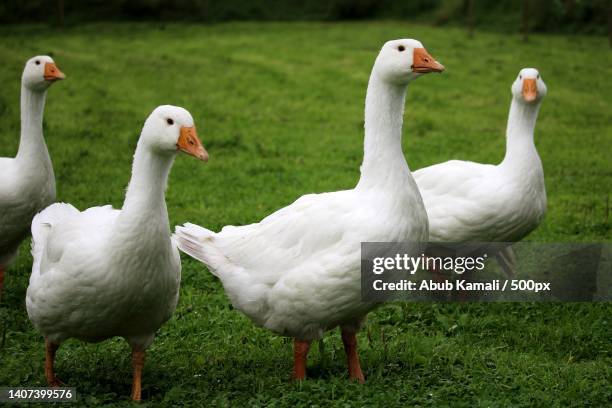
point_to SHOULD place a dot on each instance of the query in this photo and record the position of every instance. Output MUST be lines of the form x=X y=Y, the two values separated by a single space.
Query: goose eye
x=401 y=48
x=538 y=76
x=520 y=77
x=37 y=62
x=170 y=121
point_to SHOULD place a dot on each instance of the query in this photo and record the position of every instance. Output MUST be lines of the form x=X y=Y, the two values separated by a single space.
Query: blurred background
x=566 y=16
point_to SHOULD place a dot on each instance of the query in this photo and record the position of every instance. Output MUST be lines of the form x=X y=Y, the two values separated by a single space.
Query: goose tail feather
x=198 y=243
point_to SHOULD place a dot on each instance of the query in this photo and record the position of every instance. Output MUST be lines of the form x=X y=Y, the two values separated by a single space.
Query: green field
x=280 y=109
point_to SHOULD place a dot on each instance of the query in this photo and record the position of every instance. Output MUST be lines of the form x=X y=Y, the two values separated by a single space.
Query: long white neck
x=521 y=153
x=144 y=208
x=384 y=164
x=32 y=147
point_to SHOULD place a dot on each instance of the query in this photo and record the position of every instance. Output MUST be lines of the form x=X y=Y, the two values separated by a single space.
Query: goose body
x=27 y=183
x=297 y=272
x=98 y=274
x=473 y=202
x=104 y=272
x=25 y=189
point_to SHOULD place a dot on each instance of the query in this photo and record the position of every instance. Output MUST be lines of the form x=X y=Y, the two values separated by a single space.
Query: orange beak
x=52 y=72
x=423 y=63
x=189 y=143
x=530 y=90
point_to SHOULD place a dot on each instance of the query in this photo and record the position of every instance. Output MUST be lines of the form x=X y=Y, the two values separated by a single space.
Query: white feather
x=473 y=202
x=105 y=272
x=27 y=183
x=297 y=272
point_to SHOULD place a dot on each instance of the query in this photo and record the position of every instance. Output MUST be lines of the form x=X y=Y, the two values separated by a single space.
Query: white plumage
x=97 y=275
x=473 y=202
x=297 y=272
x=104 y=272
x=27 y=183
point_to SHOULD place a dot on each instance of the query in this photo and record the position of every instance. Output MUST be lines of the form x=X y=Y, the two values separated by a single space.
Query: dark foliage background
x=569 y=16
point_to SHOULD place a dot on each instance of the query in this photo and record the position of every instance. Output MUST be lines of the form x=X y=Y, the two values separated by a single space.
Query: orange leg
x=50 y=350
x=138 y=359
x=352 y=357
x=300 y=356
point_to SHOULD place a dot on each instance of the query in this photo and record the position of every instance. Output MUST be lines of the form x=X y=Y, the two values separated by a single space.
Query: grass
x=280 y=109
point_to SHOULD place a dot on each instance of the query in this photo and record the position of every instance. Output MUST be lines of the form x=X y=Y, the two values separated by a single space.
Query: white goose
x=104 y=272
x=297 y=272
x=473 y=202
x=27 y=184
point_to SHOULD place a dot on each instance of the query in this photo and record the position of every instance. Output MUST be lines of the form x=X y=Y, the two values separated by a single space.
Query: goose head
x=169 y=130
x=40 y=72
x=529 y=87
x=401 y=61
